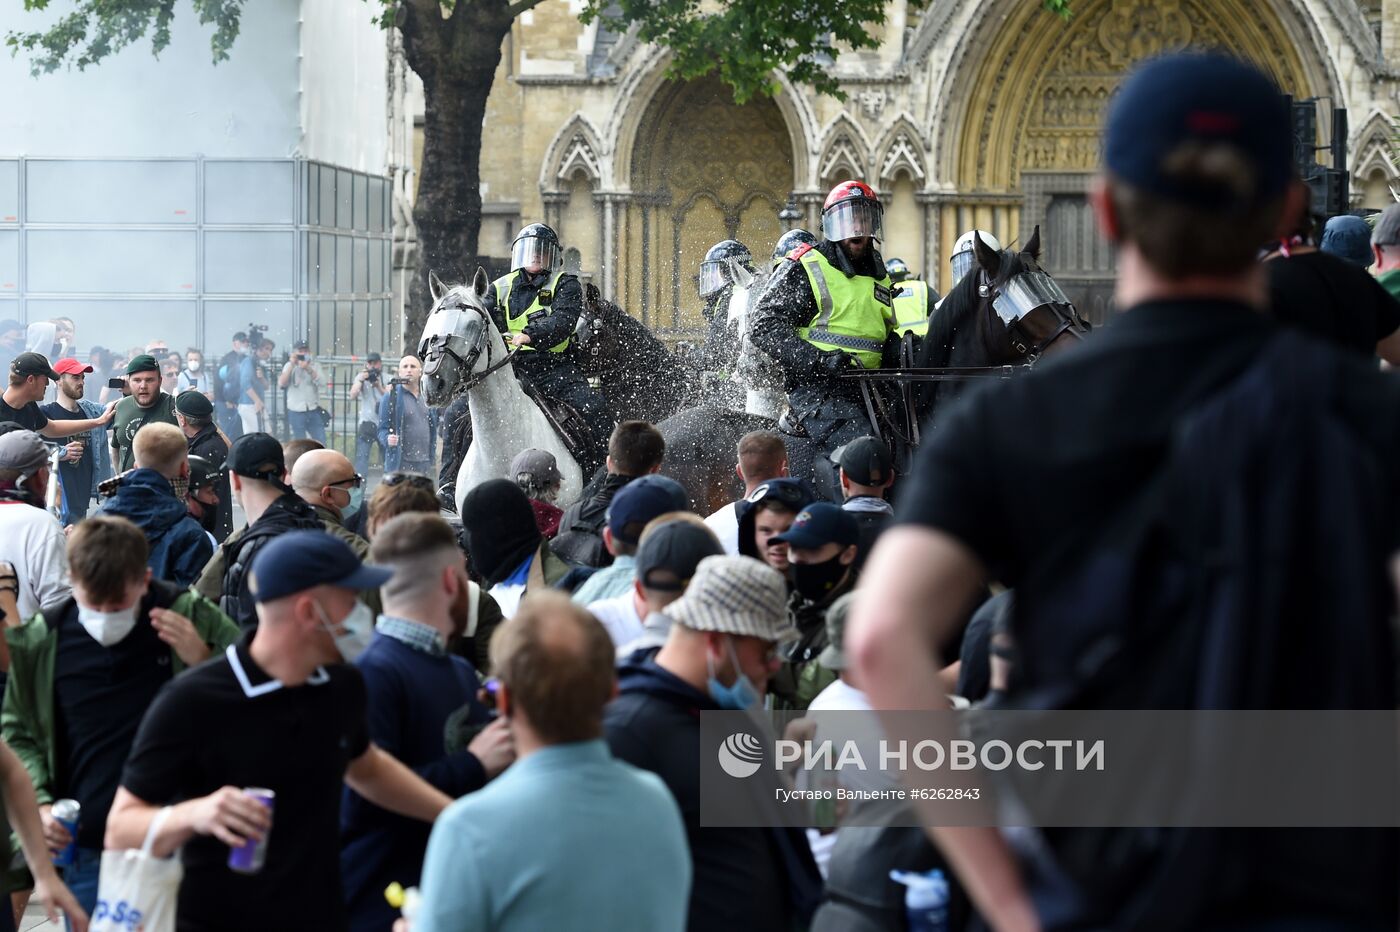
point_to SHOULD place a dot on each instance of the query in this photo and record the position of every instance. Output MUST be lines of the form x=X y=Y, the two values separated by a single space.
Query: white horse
x=461 y=351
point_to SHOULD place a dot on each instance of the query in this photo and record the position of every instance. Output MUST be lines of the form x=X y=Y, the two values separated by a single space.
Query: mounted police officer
x=963 y=258
x=827 y=312
x=788 y=242
x=913 y=299
x=727 y=269
x=536 y=306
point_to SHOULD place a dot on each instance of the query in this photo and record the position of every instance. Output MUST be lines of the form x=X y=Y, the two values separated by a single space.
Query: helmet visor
x=532 y=253
x=1025 y=293
x=851 y=219
x=962 y=264
x=714 y=275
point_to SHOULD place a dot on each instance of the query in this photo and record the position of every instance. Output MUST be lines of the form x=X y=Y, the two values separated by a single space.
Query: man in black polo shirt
x=1028 y=479
x=29 y=379
x=282 y=710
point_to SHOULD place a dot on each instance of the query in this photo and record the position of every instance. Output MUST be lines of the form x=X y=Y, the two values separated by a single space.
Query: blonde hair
x=161 y=447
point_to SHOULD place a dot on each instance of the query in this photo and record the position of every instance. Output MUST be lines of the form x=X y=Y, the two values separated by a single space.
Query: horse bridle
x=1027 y=338
x=444 y=347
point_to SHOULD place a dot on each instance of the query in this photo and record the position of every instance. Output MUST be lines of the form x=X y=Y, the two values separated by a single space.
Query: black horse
x=638 y=375
x=970 y=329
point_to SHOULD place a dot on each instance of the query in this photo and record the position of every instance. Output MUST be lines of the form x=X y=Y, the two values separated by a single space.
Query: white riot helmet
x=963 y=257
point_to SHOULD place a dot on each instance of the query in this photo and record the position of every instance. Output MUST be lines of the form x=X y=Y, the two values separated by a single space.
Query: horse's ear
x=480 y=283
x=987 y=257
x=435 y=286
x=1033 y=246
x=591 y=294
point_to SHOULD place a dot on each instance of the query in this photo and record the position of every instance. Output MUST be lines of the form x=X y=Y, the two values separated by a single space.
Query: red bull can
x=249 y=857
x=67 y=811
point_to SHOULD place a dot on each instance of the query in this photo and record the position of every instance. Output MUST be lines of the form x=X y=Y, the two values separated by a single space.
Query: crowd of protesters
x=502 y=710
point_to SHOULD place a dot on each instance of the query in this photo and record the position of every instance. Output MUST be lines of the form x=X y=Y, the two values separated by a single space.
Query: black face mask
x=816 y=581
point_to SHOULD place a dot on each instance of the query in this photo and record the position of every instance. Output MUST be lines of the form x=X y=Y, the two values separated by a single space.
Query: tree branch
x=520 y=6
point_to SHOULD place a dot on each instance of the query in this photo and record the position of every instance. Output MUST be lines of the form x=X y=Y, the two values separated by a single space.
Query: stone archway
x=703 y=169
x=1027 y=139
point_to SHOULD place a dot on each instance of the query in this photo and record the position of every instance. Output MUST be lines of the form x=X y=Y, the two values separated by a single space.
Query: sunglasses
x=354 y=481
x=412 y=478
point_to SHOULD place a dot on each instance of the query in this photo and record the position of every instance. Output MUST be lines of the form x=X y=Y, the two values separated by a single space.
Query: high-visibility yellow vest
x=517 y=323
x=853 y=314
x=911 y=308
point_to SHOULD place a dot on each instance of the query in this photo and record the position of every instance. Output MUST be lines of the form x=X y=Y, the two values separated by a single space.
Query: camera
x=117 y=384
x=371 y=375
x=300 y=357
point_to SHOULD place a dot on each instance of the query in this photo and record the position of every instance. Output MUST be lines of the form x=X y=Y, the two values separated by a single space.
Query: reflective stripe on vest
x=517 y=324
x=850 y=315
x=911 y=308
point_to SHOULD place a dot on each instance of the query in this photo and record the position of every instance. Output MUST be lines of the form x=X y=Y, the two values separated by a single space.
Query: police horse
x=996 y=322
x=461 y=351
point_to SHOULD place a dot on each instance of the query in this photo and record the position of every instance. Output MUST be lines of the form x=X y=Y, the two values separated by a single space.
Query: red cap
x=70 y=366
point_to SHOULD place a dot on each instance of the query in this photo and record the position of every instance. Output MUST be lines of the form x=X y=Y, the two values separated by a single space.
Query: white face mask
x=358 y=627
x=107 y=628
x=193 y=365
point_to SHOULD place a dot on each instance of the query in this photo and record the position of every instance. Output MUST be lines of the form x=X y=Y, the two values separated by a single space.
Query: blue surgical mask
x=357 y=499
x=739 y=697
x=358 y=627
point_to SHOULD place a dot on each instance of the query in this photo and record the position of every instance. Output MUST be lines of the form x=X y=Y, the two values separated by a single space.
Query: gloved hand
x=835 y=362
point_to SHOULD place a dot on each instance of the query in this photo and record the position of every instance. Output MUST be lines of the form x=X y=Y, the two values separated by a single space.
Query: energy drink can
x=249 y=857
x=66 y=811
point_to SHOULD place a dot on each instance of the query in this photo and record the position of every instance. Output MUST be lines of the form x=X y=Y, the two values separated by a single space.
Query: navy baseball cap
x=819 y=524
x=642 y=499
x=678 y=546
x=300 y=560
x=1349 y=238
x=1206 y=98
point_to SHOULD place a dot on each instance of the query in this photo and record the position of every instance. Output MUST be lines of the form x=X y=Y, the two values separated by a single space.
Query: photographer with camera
x=368 y=388
x=301 y=379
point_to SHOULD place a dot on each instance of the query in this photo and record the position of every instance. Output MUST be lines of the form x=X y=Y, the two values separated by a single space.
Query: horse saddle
x=566 y=421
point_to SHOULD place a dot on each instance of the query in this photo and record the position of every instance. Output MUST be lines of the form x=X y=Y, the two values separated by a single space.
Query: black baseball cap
x=1199 y=97
x=373 y=357
x=866 y=460
x=677 y=546
x=258 y=456
x=33 y=364
x=819 y=524
x=301 y=560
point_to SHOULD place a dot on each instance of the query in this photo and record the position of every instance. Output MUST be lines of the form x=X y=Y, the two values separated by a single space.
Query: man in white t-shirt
x=762 y=456
x=31 y=539
x=666 y=559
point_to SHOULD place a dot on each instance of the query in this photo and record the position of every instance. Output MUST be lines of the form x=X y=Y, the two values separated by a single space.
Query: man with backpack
x=1138 y=495
x=227 y=389
x=257 y=471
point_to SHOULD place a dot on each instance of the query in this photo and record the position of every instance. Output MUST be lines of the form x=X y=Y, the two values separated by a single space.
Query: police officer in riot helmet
x=788 y=242
x=727 y=264
x=898 y=270
x=964 y=258
x=826 y=312
x=536 y=307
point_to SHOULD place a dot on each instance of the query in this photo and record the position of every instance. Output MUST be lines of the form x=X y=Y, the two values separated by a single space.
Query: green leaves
x=97 y=28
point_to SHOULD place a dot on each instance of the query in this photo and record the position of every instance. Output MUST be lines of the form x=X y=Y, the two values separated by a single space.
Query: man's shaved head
x=318 y=468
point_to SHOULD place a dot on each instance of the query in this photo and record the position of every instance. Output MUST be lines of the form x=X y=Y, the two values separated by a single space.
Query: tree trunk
x=457 y=60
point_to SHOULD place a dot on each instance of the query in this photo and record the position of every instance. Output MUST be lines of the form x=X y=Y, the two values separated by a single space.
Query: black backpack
x=1212 y=592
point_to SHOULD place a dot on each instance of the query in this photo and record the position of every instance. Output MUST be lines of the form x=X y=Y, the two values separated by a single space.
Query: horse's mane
x=958 y=305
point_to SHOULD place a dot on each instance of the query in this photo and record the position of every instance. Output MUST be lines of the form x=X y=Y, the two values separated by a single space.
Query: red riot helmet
x=852 y=210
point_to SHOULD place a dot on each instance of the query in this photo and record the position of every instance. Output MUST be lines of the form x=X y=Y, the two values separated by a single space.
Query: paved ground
x=34 y=919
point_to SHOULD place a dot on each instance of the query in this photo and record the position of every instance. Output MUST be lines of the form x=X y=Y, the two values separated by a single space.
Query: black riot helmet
x=898 y=270
x=536 y=245
x=720 y=264
x=203 y=473
x=790 y=241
